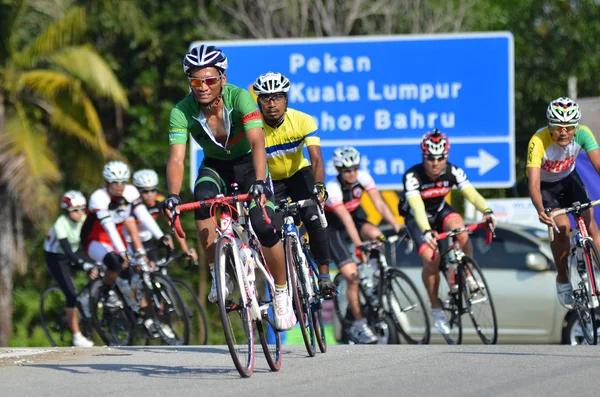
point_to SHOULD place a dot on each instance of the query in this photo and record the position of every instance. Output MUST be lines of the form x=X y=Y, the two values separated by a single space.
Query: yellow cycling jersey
x=284 y=144
x=557 y=162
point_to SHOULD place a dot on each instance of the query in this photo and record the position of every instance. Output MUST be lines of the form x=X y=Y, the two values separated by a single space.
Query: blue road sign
x=382 y=93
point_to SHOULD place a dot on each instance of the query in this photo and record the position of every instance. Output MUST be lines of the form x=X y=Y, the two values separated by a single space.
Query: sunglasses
x=118 y=182
x=434 y=158
x=209 y=81
x=149 y=191
x=277 y=98
x=564 y=127
x=349 y=170
x=76 y=210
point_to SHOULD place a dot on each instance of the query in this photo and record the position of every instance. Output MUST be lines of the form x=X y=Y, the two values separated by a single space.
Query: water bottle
x=365 y=276
x=451 y=273
x=84 y=299
x=248 y=262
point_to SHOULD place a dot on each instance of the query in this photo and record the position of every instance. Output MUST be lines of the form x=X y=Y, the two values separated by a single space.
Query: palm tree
x=46 y=84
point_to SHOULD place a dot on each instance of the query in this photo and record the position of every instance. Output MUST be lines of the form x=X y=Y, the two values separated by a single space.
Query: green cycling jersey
x=240 y=114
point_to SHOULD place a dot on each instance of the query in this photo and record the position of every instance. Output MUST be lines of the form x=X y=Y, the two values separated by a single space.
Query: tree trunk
x=6 y=265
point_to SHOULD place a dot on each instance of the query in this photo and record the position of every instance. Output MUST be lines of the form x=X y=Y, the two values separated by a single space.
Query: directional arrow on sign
x=484 y=161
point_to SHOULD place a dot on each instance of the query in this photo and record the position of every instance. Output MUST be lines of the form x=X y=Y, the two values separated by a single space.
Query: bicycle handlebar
x=217 y=200
x=289 y=206
x=470 y=228
x=576 y=207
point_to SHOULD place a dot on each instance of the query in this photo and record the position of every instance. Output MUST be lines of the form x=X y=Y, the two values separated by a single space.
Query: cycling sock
x=325 y=276
x=280 y=288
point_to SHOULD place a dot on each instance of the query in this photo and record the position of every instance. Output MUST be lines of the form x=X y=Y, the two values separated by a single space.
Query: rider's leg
x=560 y=247
x=430 y=274
x=368 y=231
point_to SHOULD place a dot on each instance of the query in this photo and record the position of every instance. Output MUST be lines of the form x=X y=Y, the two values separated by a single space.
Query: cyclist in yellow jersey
x=554 y=182
x=286 y=132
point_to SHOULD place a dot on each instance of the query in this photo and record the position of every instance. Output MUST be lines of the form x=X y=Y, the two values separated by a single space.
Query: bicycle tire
x=170 y=311
x=233 y=309
x=451 y=304
x=478 y=302
x=406 y=307
x=585 y=311
x=270 y=338
x=320 y=327
x=53 y=317
x=119 y=319
x=195 y=312
x=304 y=318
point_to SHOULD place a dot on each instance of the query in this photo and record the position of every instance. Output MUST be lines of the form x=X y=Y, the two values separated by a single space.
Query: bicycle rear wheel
x=478 y=302
x=405 y=306
x=270 y=338
x=235 y=315
x=451 y=303
x=53 y=317
x=299 y=298
x=194 y=311
x=113 y=319
x=172 y=322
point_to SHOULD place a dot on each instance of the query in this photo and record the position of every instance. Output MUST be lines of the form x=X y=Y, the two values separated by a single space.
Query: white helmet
x=72 y=199
x=116 y=171
x=346 y=157
x=204 y=56
x=145 y=178
x=271 y=83
x=563 y=111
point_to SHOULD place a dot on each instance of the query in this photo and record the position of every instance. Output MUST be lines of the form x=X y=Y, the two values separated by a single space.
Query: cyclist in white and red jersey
x=426 y=212
x=110 y=209
x=554 y=182
x=348 y=223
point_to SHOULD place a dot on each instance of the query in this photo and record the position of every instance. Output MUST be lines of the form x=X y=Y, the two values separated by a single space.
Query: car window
x=507 y=251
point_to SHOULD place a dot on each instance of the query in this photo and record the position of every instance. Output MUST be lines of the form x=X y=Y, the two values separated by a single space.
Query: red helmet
x=435 y=143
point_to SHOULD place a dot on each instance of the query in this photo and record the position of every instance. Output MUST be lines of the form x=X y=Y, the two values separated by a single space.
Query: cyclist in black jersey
x=426 y=212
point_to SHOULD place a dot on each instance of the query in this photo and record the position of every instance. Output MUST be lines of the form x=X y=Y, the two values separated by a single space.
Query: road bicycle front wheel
x=478 y=301
x=172 y=321
x=585 y=299
x=236 y=315
x=194 y=311
x=112 y=317
x=317 y=315
x=451 y=303
x=299 y=297
x=405 y=306
x=270 y=338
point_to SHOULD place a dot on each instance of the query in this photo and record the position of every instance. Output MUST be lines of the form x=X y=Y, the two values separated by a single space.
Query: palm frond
x=58 y=35
x=27 y=165
x=49 y=83
x=87 y=65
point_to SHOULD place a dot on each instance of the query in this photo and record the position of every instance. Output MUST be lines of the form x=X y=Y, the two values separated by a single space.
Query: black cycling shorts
x=436 y=221
x=565 y=192
x=339 y=239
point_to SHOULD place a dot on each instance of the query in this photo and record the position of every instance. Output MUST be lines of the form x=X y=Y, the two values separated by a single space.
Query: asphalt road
x=401 y=370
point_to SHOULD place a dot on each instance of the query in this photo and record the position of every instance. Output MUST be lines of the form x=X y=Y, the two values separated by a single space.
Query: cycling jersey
x=284 y=144
x=108 y=215
x=240 y=114
x=64 y=227
x=155 y=211
x=348 y=196
x=556 y=162
x=433 y=192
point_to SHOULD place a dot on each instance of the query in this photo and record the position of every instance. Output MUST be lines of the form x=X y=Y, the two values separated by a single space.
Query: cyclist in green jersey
x=62 y=252
x=225 y=122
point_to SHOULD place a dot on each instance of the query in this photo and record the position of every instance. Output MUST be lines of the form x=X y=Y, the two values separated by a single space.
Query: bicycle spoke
x=478 y=302
x=452 y=307
x=270 y=338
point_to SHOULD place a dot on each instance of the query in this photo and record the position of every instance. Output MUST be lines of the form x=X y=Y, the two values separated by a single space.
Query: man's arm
x=383 y=209
x=316 y=160
x=256 y=138
x=342 y=213
x=594 y=156
x=175 y=168
x=535 y=193
x=134 y=233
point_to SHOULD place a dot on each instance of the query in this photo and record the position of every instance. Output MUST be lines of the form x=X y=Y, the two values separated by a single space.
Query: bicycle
x=249 y=304
x=583 y=272
x=54 y=319
x=391 y=302
x=166 y=316
x=191 y=304
x=466 y=289
x=302 y=275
